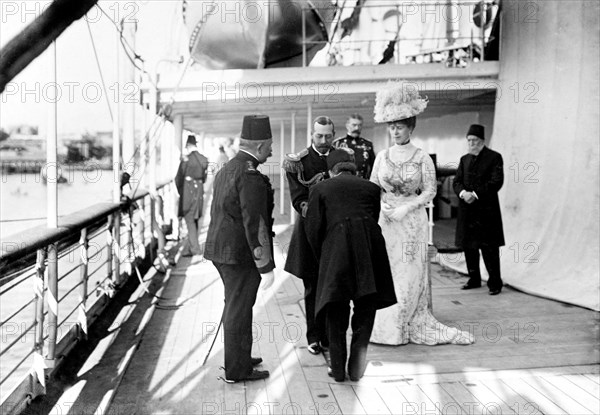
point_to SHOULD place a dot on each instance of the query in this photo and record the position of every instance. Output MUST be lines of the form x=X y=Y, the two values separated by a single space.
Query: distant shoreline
x=19 y=166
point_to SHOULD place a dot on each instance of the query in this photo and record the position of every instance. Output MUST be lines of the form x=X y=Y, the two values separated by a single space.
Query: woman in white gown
x=406 y=175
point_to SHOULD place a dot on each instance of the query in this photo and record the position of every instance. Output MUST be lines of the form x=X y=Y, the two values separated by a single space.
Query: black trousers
x=193 y=227
x=491 y=258
x=241 y=285
x=315 y=329
x=337 y=315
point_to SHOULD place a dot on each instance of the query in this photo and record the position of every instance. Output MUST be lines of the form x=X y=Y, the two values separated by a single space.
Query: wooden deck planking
x=297 y=358
x=594 y=377
x=538 y=400
x=411 y=379
x=441 y=399
x=491 y=402
x=348 y=401
x=514 y=401
x=370 y=399
x=417 y=401
x=395 y=402
x=563 y=393
x=467 y=401
x=592 y=389
x=324 y=399
x=269 y=397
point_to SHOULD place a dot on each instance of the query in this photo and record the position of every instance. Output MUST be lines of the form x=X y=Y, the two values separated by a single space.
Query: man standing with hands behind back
x=240 y=243
x=364 y=154
x=189 y=181
x=479 y=224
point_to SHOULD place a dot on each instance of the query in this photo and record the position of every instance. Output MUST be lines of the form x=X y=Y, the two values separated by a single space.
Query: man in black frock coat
x=342 y=230
x=240 y=243
x=479 y=224
x=303 y=170
x=189 y=180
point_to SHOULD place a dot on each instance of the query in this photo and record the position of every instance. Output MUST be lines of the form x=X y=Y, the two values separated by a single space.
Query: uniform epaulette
x=336 y=140
x=291 y=162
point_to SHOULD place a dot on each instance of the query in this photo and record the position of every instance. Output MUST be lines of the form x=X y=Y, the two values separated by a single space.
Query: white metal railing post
x=52 y=217
x=281 y=172
x=303 y=36
x=83 y=280
x=109 y=248
x=116 y=159
x=38 y=289
x=482 y=20
x=293 y=150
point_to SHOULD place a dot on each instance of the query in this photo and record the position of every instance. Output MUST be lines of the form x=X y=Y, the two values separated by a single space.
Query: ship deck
x=163 y=356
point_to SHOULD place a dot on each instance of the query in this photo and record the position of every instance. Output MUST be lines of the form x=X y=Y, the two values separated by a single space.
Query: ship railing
x=44 y=316
x=394 y=40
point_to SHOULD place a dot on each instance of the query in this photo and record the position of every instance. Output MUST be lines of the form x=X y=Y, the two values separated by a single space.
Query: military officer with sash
x=240 y=243
x=364 y=154
x=303 y=170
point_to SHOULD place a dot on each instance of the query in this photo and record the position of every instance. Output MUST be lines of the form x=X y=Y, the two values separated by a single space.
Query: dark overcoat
x=310 y=169
x=479 y=224
x=240 y=230
x=343 y=232
x=189 y=181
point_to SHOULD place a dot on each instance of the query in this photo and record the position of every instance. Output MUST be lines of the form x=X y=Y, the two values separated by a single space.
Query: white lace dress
x=400 y=171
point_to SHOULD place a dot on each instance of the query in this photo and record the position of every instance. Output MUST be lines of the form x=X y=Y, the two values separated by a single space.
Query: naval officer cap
x=256 y=128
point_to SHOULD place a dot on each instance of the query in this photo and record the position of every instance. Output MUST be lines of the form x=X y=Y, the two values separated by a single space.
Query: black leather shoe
x=336 y=378
x=469 y=286
x=254 y=375
x=314 y=348
x=495 y=292
x=256 y=361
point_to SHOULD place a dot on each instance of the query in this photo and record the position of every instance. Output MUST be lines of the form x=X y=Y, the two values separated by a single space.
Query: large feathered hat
x=398 y=100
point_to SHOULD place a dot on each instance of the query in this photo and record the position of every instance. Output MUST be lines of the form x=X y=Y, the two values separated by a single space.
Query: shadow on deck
x=163 y=356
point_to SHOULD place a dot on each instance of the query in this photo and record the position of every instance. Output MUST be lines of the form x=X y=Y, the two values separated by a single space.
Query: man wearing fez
x=342 y=229
x=364 y=155
x=303 y=170
x=240 y=243
x=189 y=181
x=479 y=224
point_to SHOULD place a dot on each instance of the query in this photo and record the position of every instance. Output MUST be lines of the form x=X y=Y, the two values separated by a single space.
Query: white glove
x=267 y=280
x=394 y=213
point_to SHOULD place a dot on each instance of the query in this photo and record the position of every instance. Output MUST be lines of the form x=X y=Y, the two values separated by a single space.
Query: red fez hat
x=256 y=127
x=477 y=130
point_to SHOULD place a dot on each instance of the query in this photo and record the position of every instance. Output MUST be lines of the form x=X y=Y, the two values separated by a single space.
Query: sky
x=78 y=91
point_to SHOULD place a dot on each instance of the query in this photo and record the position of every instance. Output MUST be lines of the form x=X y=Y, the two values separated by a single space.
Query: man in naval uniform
x=240 y=243
x=364 y=155
x=303 y=170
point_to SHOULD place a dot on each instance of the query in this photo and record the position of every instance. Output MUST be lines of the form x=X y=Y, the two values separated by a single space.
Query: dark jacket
x=189 y=181
x=364 y=155
x=342 y=229
x=302 y=172
x=479 y=223
x=240 y=230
